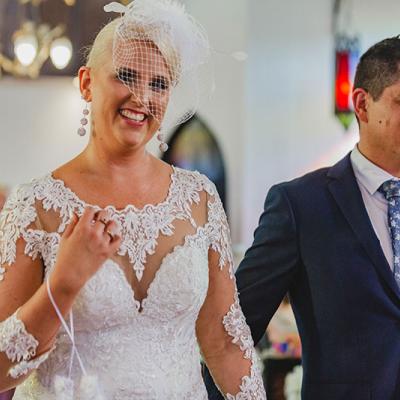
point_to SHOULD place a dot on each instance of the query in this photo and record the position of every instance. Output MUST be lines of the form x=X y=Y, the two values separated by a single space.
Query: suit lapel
x=346 y=193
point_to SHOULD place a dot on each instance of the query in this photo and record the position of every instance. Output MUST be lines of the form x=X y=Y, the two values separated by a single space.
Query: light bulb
x=61 y=52
x=25 y=48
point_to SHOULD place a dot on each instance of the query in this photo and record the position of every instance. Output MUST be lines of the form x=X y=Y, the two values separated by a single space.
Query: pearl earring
x=163 y=146
x=84 y=120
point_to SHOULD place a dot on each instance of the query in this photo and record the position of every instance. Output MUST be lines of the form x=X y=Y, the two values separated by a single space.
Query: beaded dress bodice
x=137 y=349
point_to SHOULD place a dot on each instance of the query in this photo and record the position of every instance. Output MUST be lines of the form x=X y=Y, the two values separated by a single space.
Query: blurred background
x=283 y=72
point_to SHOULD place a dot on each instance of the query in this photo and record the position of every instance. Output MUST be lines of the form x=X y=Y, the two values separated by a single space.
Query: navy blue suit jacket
x=316 y=241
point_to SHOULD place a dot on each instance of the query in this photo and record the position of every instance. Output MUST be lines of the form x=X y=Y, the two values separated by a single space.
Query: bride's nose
x=143 y=93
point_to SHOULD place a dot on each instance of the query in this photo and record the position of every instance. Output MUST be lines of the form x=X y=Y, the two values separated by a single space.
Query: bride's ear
x=85 y=81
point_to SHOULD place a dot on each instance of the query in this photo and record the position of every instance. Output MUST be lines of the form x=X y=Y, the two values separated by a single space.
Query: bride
x=116 y=268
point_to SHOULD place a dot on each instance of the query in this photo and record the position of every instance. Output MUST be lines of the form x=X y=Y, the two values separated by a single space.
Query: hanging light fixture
x=34 y=43
x=347 y=53
x=61 y=52
x=26 y=45
x=37 y=2
x=346 y=58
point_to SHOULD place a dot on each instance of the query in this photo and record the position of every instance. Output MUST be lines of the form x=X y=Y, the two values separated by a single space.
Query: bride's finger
x=71 y=226
x=102 y=217
x=112 y=231
x=88 y=216
x=115 y=241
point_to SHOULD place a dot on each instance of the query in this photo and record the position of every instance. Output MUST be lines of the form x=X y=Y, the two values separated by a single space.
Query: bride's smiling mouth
x=133 y=117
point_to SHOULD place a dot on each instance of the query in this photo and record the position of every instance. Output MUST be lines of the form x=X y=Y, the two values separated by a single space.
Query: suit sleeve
x=270 y=265
x=268 y=269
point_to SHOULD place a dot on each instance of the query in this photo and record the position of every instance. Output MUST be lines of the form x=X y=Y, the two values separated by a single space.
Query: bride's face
x=128 y=102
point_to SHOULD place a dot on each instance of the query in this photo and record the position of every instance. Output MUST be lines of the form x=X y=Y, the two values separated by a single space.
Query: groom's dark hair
x=379 y=67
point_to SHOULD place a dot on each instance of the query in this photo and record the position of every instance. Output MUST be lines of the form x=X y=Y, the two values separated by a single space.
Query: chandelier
x=34 y=43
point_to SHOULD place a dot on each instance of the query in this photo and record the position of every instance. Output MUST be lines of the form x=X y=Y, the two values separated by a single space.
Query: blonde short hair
x=103 y=44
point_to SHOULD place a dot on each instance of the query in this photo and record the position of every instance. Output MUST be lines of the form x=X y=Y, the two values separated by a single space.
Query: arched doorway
x=193 y=146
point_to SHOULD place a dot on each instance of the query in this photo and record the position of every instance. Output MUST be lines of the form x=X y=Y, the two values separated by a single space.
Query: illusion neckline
x=112 y=208
x=141 y=305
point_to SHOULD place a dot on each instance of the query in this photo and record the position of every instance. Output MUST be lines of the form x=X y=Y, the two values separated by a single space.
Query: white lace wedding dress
x=144 y=349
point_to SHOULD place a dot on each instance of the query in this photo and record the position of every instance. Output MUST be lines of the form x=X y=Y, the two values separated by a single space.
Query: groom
x=332 y=240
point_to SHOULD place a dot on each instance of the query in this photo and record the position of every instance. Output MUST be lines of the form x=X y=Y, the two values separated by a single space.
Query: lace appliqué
x=19 y=346
x=42 y=244
x=218 y=231
x=25 y=366
x=140 y=228
x=15 y=340
x=18 y=213
x=252 y=387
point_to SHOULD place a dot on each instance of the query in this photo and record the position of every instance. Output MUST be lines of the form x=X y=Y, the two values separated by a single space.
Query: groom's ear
x=361 y=99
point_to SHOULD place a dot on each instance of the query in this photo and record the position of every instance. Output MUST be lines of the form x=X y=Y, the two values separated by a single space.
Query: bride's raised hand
x=86 y=244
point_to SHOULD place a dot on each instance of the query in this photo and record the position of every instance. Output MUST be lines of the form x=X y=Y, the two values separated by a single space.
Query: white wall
x=226 y=24
x=272 y=114
x=290 y=128
x=39 y=120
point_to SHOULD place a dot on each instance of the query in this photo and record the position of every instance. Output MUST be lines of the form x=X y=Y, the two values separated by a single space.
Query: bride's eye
x=126 y=75
x=159 y=83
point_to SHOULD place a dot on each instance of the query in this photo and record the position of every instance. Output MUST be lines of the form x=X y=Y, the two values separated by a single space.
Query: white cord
x=70 y=330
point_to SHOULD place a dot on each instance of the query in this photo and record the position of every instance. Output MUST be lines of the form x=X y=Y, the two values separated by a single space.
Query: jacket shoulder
x=310 y=181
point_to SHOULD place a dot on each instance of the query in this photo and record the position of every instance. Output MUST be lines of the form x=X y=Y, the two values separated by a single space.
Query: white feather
x=115 y=7
x=173 y=25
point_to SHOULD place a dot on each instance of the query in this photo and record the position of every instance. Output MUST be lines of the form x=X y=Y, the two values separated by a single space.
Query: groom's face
x=383 y=127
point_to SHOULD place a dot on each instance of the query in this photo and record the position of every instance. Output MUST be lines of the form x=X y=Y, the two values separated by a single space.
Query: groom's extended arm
x=269 y=267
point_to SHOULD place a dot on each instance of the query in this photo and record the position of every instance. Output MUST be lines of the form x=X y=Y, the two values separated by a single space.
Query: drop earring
x=161 y=137
x=84 y=120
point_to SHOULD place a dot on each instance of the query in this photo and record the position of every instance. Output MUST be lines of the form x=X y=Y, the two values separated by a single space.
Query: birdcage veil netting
x=162 y=55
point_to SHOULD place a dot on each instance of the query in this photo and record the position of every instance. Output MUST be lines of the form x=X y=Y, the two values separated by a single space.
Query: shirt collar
x=367 y=173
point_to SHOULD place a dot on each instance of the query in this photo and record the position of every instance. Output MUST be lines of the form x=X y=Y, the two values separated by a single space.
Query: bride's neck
x=115 y=165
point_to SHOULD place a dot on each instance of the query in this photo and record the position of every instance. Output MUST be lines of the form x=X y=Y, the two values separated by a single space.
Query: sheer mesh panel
x=165 y=246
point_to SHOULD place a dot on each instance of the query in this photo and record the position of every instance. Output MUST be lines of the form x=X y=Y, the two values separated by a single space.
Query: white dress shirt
x=369 y=178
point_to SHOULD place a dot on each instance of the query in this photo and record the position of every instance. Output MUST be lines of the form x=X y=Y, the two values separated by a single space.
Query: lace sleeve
x=17 y=215
x=19 y=346
x=16 y=219
x=219 y=233
x=224 y=336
